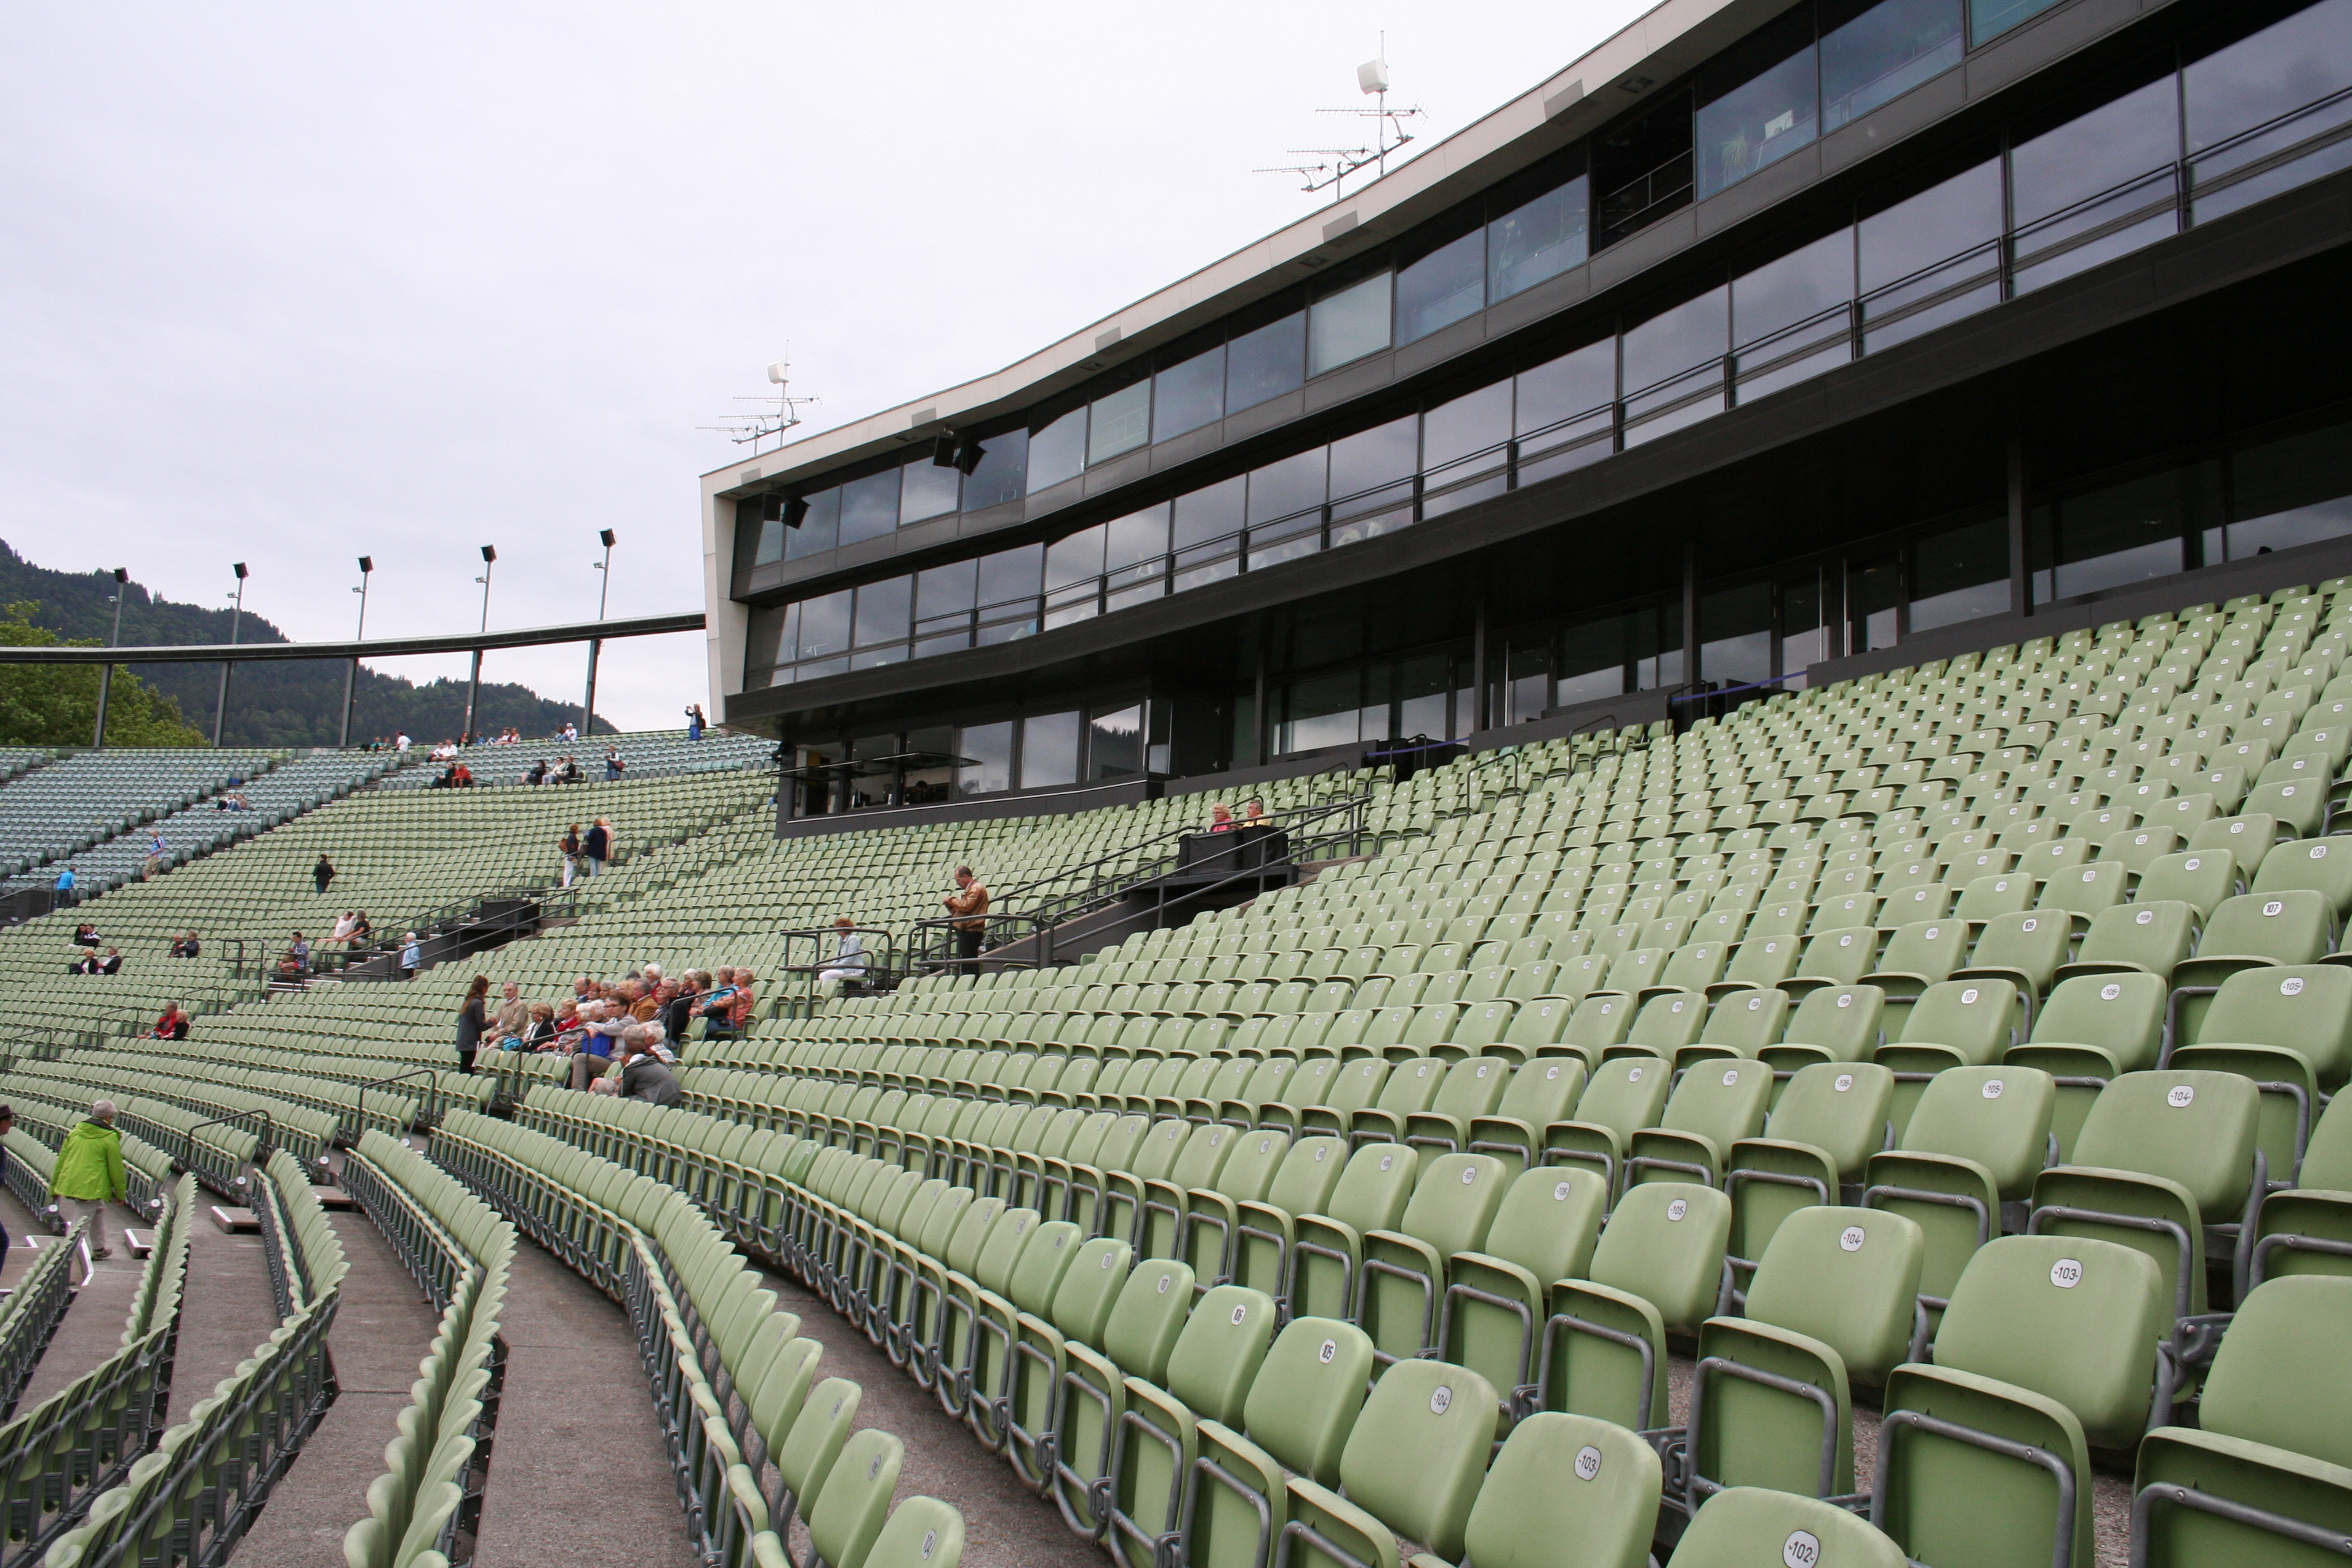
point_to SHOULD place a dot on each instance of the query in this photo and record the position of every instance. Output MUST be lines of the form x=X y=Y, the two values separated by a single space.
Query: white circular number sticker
x=1324 y=1150
x=2066 y=1273
x=2109 y=991
x=1755 y=1002
x=1105 y=1260
x=930 y=1543
x=2181 y=1096
x=1846 y=1000
x=2274 y=907
x=2319 y=851
x=1968 y=997
x=2030 y=923
x=1677 y=1209
x=1731 y=1077
x=1164 y=1280
x=1330 y=1348
x=1469 y=1174
x=1241 y=1314
x=1851 y=1238
x=1844 y=1081
x=1550 y=1073
x=1801 y=1550
x=1439 y=1400
x=1588 y=1462
x=1632 y=1075
x=2143 y=916
x=1386 y=1160
x=2291 y=986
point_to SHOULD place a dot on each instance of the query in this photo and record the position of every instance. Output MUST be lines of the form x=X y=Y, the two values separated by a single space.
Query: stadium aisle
x=229 y=1310
x=580 y=1474
x=1005 y=1524
x=382 y=1328
x=91 y=1329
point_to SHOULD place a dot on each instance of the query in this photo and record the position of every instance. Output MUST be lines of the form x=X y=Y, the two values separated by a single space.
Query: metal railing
x=815 y=951
x=31 y=1314
x=931 y=944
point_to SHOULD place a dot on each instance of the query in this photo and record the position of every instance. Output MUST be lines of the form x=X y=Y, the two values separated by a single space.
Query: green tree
x=56 y=704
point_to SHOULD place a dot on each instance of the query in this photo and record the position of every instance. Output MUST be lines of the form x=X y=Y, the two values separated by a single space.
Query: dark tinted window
x=869 y=506
x=1442 y=288
x=1539 y=239
x=1873 y=52
x=1003 y=471
x=1758 y=102
x=820 y=530
x=1266 y=363
x=1189 y=395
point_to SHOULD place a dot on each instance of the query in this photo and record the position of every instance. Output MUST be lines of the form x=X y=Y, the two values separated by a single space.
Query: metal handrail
x=360 y=1111
x=881 y=966
x=1042 y=919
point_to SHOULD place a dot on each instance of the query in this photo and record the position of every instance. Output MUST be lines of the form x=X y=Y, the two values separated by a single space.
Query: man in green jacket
x=89 y=1173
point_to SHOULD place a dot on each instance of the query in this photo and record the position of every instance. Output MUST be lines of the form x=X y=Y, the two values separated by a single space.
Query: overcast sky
x=289 y=284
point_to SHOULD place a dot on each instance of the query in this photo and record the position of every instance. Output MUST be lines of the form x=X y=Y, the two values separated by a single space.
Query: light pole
x=352 y=675
x=474 y=688
x=106 y=671
x=597 y=645
x=220 y=703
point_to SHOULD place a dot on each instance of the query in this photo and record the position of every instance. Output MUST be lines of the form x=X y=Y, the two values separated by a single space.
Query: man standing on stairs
x=595 y=844
x=88 y=1174
x=970 y=899
x=322 y=873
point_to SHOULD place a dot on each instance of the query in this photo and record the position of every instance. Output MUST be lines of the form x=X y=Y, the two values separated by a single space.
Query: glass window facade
x=1872 y=53
x=1049 y=749
x=1344 y=326
x=2244 y=119
x=1757 y=103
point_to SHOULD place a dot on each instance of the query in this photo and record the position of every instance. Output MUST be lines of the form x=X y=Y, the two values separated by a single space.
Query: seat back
x=922 y=1533
x=2121 y=1012
x=2320 y=865
x=850 y=1510
x=2074 y=1319
x=2151 y=935
x=1090 y=1288
x=1419 y=1451
x=2267 y=1386
x=1721 y=1101
x=1841 y=1020
x=2193 y=1127
x=1373 y=1190
x=1307 y=1174
x=1453 y=1201
x=1666 y=1023
x=1737 y=1527
x=1474 y=1085
x=1625 y=1095
x=1839 y=1107
x=2287 y=927
x=1745 y=1022
x=1846 y=1277
x=1303 y=1401
x=2201 y=879
x=1216 y=1356
x=1542 y=1090
x=1975 y=1020
x=2306 y=1008
x=1548 y=1222
x=1561 y=1479
x=1664 y=1244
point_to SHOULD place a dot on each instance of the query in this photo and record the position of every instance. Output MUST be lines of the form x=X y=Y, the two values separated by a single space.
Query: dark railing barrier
x=1331 y=831
x=815 y=951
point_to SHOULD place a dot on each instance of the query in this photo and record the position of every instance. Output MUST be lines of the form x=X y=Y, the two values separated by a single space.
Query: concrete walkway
x=91 y=1329
x=579 y=1474
x=383 y=1326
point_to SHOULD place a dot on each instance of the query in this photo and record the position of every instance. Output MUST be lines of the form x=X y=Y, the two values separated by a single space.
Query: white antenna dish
x=780 y=372
x=1389 y=135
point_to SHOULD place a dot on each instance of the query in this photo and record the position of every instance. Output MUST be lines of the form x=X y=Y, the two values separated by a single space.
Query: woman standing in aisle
x=471 y=1022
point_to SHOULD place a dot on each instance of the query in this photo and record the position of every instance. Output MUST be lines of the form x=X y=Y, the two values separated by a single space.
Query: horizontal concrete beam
x=381 y=647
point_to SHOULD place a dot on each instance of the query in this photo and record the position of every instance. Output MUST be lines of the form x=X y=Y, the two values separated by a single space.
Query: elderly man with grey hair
x=89 y=1174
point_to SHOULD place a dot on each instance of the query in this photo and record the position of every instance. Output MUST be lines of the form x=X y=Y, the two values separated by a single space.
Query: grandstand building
x=1763 y=343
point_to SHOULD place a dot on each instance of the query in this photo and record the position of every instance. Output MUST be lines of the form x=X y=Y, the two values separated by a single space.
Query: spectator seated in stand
x=848 y=966
x=188 y=946
x=112 y=963
x=173 y=1025
x=85 y=935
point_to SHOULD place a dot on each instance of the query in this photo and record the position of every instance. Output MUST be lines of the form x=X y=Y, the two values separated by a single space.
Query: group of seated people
x=173 y=1025
x=456 y=775
x=545 y=772
x=188 y=946
x=87 y=961
x=231 y=800
x=351 y=929
x=632 y=1025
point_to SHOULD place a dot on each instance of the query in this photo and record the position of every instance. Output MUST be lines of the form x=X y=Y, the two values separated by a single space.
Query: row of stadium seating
x=194 y=1494
x=276 y=796
x=754 y=1444
x=424 y=1510
x=645 y=754
x=59 y=1457
x=68 y=805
